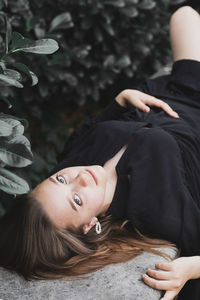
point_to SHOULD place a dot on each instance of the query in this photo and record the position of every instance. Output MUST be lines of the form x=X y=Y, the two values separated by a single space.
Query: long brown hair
x=34 y=248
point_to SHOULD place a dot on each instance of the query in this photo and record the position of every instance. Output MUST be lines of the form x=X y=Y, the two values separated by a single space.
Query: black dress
x=158 y=185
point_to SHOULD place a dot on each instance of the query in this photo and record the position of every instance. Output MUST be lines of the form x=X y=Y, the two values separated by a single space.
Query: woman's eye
x=60 y=179
x=77 y=200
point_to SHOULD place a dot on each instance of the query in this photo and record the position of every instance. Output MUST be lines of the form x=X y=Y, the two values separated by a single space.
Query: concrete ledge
x=115 y=282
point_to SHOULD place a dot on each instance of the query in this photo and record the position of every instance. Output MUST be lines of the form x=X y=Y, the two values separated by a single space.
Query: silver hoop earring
x=98 y=227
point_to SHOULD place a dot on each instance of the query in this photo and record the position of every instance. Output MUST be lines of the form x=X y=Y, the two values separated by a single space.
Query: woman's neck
x=110 y=167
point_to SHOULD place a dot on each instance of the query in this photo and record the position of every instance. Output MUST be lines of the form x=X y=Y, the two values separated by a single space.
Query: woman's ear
x=89 y=225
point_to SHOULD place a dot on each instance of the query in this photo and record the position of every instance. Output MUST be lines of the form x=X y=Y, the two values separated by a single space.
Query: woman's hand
x=173 y=275
x=139 y=100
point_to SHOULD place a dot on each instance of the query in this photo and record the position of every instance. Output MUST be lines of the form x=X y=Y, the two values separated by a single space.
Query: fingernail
x=175 y=114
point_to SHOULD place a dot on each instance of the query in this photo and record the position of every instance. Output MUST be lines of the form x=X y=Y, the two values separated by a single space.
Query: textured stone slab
x=115 y=282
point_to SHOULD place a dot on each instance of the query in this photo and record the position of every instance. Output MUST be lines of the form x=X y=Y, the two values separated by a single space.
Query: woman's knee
x=185 y=33
x=183 y=13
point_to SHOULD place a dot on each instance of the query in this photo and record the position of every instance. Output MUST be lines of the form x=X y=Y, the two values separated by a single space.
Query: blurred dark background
x=105 y=47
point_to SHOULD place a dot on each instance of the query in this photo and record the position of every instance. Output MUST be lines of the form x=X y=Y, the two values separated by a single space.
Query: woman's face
x=74 y=196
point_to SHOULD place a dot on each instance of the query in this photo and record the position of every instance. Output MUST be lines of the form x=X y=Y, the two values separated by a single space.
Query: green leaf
x=18 y=129
x=11 y=183
x=176 y=2
x=108 y=28
x=30 y=23
x=34 y=78
x=20 y=139
x=134 y=1
x=115 y=3
x=18 y=40
x=109 y=61
x=17 y=156
x=13 y=74
x=130 y=12
x=98 y=34
x=6 y=101
x=5 y=128
x=69 y=78
x=43 y=46
x=3 y=67
x=24 y=122
x=43 y=90
x=9 y=81
x=14 y=122
x=23 y=68
x=129 y=72
x=123 y=62
x=147 y=4
x=8 y=28
x=63 y=21
x=4 y=2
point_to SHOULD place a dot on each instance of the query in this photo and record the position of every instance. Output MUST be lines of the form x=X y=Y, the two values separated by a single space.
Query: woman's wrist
x=121 y=98
x=194 y=265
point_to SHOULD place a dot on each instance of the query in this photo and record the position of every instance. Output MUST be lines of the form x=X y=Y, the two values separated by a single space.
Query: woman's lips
x=93 y=175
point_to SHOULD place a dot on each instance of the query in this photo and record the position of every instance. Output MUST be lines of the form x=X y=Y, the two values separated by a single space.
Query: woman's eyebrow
x=71 y=203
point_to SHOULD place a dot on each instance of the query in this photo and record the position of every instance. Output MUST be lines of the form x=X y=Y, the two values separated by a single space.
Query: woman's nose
x=83 y=178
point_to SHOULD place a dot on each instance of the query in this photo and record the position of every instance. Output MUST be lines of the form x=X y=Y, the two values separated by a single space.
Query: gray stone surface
x=114 y=282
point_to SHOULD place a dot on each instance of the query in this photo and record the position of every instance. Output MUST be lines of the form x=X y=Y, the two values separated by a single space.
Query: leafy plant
x=15 y=151
x=15 y=148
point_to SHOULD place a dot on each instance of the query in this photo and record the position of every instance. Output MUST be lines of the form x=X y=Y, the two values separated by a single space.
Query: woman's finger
x=157 y=284
x=162 y=275
x=164 y=266
x=152 y=101
x=143 y=107
x=169 y=295
x=165 y=106
x=139 y=104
